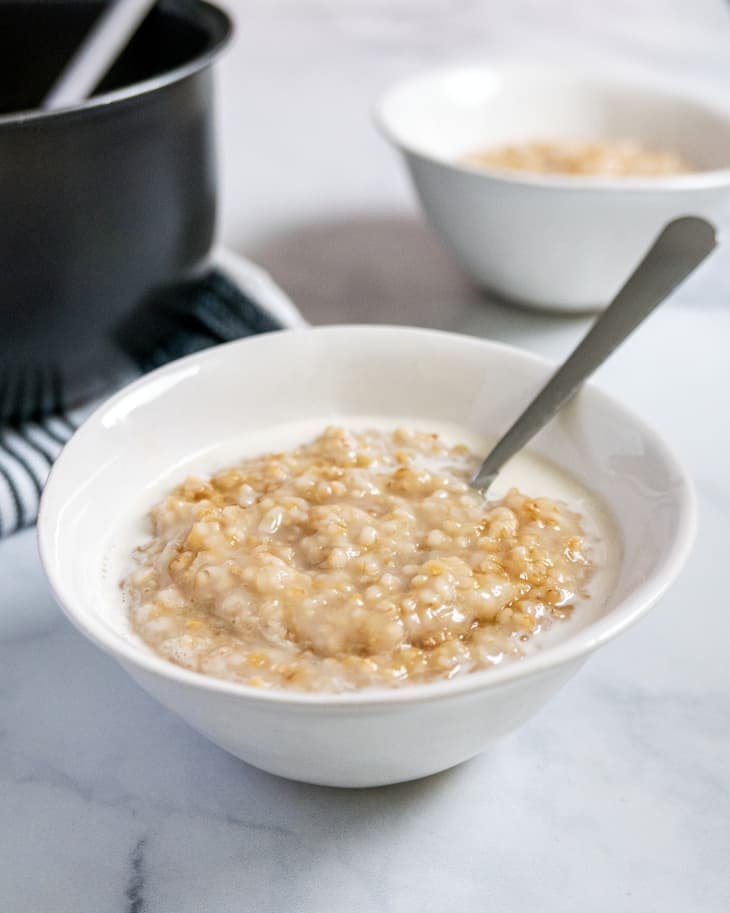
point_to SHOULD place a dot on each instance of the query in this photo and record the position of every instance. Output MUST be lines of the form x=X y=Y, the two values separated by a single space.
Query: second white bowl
x=550 y=241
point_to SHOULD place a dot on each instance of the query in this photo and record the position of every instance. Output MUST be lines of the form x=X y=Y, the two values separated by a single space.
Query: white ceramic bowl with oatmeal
x=548 y=184
x=277 y=540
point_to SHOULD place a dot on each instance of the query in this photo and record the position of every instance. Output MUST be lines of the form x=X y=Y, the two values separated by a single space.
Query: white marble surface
x=617 y=797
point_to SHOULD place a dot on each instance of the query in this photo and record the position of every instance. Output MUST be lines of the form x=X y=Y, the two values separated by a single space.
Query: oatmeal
x=359 y=559
x=623 y=158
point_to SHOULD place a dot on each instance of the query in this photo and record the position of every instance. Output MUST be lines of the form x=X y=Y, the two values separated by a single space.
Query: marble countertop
x=616 y=798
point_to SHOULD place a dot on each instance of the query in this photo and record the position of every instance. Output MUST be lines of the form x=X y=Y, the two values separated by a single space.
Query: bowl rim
x=212 y=19
x=694 y=180
x=575 y=647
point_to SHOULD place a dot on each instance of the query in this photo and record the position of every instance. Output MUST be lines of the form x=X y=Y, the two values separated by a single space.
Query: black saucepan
x=101 y=203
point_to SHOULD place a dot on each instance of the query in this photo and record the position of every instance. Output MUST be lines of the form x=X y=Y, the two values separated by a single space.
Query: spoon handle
x=107 y=38
x=679 y=249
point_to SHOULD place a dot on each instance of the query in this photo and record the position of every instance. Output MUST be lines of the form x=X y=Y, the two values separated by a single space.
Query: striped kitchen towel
x=184 y=318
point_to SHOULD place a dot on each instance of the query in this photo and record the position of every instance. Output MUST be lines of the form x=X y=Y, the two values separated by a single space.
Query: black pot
x=100 y=203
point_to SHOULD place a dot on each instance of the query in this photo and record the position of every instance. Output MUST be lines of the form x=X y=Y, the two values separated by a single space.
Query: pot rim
x=209 y=18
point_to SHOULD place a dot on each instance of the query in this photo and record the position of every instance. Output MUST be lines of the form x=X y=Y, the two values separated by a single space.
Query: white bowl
x=139 y=442
x=543 y=240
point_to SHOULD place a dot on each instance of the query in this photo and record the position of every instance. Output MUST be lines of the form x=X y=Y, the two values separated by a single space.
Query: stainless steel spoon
x=96 y=54
x=679 y=249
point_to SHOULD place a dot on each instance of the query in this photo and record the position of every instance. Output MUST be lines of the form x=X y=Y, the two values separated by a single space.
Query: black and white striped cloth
x=26 y=455
x=185 y=318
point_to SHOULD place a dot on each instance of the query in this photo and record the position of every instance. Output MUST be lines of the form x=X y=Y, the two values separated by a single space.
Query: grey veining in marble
x=616 y=798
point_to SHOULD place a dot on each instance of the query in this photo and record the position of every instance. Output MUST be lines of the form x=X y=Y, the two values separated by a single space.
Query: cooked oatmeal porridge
x=360 y=559
x=623 y=158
